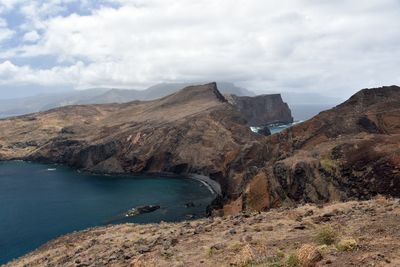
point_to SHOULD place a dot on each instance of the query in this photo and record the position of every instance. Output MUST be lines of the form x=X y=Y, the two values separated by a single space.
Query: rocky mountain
x=135 y=137
x=42 y=102
x=262 y=109
x=350 y=151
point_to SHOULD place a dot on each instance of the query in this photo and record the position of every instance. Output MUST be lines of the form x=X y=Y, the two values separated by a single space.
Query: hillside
x=351 y=151
x=346 y=153
x=42 y=102
x=344 y=234
x=136 y=137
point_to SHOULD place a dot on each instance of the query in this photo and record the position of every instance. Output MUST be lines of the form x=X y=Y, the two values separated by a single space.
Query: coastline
x=212 y=185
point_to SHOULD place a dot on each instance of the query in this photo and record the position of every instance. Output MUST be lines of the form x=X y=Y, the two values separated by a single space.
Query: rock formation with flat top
x=262 y=109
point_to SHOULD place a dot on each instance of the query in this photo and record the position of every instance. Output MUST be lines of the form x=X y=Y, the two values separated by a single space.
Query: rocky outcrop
x=262 y=109
x=351 y=151
x=187 y=132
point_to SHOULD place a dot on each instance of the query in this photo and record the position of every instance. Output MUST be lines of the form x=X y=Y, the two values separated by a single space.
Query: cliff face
x=262 y=109
x=350 y=151
x=189 y=131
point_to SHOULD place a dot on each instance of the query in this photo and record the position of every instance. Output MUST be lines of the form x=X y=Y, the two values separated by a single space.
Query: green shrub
x=211 y=251
x=326 y=236
x=328 y=164
x=346 y=244
x=292 y=261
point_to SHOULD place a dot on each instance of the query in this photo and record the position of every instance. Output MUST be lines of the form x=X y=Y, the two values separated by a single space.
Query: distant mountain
x=20 y=106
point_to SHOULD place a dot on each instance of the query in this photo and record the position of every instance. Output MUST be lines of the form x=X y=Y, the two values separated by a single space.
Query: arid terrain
x=350 y=151
x=355 y=233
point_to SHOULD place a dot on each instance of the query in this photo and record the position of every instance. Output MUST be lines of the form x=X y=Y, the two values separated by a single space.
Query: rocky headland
x=262 y=109
x=351 y=152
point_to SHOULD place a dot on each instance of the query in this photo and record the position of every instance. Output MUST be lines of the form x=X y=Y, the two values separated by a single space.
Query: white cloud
x=31 y=36
x=25 y=75
x=5 y=32
x=335 y=47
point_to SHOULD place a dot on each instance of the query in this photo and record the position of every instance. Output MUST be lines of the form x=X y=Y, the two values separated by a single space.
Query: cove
x=40 y=202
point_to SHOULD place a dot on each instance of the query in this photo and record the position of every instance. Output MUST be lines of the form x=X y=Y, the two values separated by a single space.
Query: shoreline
x=212 y=185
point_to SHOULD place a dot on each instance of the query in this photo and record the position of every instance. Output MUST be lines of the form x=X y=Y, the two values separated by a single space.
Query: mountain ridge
x=326 y=158
x=41 y=102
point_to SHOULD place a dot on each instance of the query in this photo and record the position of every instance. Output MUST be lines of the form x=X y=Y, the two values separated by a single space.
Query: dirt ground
x=355 y=233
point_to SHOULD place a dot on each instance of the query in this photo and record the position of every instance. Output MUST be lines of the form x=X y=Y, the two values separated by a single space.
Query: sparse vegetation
x=308 y=255
x=292 y=260
x=347 y=244
x=211 y=251
x=328 y=164
x=326 y=236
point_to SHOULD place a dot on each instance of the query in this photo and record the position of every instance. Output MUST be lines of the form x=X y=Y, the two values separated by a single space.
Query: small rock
x=299 y=218
x=199 y=229
x=144 y=249
x=248 y=238
x=189 y=205
x=112 y=258
x=308 y=213
x=232 y=231
x=269 y=228
x=299 y=227
x=218 y=246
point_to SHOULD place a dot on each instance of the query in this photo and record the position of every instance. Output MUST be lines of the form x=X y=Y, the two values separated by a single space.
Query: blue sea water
x=275 y=128
x=41 y=202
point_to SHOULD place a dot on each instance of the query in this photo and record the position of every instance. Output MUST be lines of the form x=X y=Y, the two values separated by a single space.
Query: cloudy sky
x=331 y=47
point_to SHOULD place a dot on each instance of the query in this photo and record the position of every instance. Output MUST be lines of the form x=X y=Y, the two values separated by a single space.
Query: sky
x=334 y=48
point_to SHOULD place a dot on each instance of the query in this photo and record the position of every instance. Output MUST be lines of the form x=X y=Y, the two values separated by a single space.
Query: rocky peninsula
x=350 y=151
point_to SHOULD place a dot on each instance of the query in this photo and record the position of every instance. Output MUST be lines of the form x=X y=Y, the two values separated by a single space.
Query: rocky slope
x=136 y=137
x=350 y=151
x=42 y=102
x=363 y=233
x=262 y=109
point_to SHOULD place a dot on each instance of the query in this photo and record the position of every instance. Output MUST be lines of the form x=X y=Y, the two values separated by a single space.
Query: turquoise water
x=40 y=202
x=276 y=128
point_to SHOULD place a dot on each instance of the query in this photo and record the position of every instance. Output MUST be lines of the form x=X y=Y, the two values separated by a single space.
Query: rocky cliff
x=262 y=109
x=136 y=137
x=351 y=151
